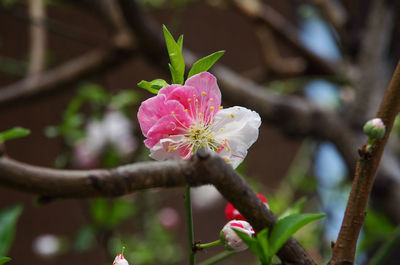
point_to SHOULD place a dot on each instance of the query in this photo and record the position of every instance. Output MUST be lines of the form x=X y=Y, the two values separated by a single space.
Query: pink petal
x=207 y=83
x=153 y=109
x=167 y=90
x=171 y=124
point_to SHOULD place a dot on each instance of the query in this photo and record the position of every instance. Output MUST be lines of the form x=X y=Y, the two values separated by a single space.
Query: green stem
x=211 y=244
x=216 y=258
x=189 y=225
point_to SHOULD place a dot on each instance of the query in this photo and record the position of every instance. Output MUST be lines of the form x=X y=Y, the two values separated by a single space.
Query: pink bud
x=120 y=260
x=231 y=213
x=229 y=237
x=378 y=123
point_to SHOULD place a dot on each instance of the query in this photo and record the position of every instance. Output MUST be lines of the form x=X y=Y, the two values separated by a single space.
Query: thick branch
x=203 y=168
x=345 y=247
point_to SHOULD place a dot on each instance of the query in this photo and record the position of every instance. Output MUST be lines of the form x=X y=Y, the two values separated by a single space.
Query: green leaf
x=8 y=222
x=16 y=132
x=4 y=260
x=173 y=74
x=252 y=243
x=175 y=56
x=180 y=42
x=262 y=238
x=205 y=63
x=153 y=86
x=287 y=226
x=296 y=208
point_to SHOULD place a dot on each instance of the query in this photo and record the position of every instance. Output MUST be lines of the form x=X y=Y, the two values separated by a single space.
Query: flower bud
x=375 y=128
x=120 y=260
x=229 y=237
x=231 y=213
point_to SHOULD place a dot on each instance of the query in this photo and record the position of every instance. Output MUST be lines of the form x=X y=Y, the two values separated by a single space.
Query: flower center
x=200 y=135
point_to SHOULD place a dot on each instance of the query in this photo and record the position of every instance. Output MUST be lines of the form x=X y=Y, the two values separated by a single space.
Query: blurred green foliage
x=8 y=224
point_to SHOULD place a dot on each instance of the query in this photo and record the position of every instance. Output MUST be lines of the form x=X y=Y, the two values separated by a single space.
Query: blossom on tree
x=120 y=260
x=229 y=237
x=184 y=118
x=231 y=213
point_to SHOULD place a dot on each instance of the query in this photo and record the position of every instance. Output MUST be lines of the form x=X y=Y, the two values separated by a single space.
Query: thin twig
x=38 y=36
x=259 y=11
x=100 y=58
x=345 y=246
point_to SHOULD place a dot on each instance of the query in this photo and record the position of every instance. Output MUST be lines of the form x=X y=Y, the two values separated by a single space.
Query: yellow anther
x=204 y=93
x=196 y=101
x=189 y=100
x=211 y=99
x=228 y=149
x=175 y=149
x=194 y=95
x=221 y=107
x=212 y=108
x=226 y=160
x=172 y=112
x=186 y=110
x=200 y=114
x=232 y=116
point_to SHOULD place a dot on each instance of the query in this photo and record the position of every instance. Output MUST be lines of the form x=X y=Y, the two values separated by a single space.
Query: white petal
x=238 y=126
x=159 y=150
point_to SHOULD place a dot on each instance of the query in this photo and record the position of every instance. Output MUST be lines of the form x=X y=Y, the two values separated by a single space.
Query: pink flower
x=120 y=260
x=182 y=119
x=231 y=213
x=229 y=237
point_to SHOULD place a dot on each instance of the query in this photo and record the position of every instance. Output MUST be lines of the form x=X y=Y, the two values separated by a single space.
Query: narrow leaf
x=153 y=86
x=4 y=260
x=296 y=208
x=287 y=226
x=16 y=132
x=8 y=222
x=252 y=243
x=175 y=56
x=180 y=42
x=205 y=63
x=262 y=238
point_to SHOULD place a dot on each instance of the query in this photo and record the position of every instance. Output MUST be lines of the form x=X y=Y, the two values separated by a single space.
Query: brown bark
x=345 y=246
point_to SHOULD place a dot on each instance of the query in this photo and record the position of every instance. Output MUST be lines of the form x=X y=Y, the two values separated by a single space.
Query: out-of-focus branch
x=202 y=168
x=373 y=68
x=345 y=246
x=259 y=11
x=94 y=60
x=38 y=36
x=334 y=12
x=275 y=62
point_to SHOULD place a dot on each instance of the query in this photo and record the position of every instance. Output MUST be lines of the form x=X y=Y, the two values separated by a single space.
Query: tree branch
x=94 y=60
x=281 y=27
x=345 y=247
x=38 y=36
x=202 y=168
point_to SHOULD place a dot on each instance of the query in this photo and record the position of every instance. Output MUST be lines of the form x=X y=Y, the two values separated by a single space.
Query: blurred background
x=68 y=72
